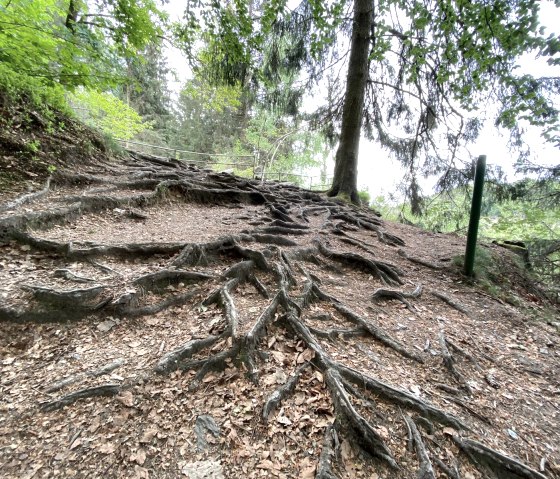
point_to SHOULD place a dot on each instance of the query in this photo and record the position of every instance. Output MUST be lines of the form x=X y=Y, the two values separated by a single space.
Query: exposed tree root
x=328 y=453
x=426 y=471
x=108 y=368
x=71 y=298
x=449 y=362
x=398 y=295
x=499 y=463
x=364 y=325
x=293 y=230
x=421 y=262
x=388 y=273
x=450 y=472
x=282 y=392
x=454 y=304
x=104 y=390
x=368 y=438
x=27 y=198
x=67 y=274
x=171 y=361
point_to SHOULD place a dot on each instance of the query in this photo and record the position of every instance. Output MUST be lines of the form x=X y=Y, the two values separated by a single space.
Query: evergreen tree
x=432 y=67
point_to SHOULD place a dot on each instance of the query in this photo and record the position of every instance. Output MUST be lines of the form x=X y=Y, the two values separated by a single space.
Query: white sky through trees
x=380 y=174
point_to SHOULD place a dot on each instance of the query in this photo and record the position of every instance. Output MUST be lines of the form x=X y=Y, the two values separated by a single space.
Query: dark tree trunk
x=72 y=16
x=346 y=163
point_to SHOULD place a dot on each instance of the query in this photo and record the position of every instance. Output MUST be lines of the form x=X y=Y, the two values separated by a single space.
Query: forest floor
x=160 y=321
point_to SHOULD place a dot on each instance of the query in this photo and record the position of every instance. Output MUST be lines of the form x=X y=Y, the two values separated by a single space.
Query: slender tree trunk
x=346 y=163
x=72 y=16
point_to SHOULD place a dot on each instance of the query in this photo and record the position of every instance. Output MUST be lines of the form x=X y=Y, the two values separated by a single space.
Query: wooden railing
x=208 y=160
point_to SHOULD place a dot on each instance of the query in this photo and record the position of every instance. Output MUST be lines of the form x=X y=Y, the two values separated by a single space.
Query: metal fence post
x=475 y=214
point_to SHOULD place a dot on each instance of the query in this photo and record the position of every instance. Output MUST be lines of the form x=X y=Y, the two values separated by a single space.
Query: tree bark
x=346 y=163
x=72 y=16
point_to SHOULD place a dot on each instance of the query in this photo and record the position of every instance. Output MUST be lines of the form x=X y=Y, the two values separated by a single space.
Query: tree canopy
x=436 y=69
x=431 y=73
x=74 y=43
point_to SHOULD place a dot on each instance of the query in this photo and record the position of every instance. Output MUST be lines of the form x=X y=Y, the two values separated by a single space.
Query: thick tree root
x=398 y=295
x=426 y=471
x=421 y=262
x=449 y=362
x=324 y=470
x=500 y=464
x=74 y=298
x=108 y=368
x=172 y=360
x=454 y=304
x=453 y=473
x=368 y=438
x=364 y=325
x=70 y=276
x=104 y=390
x=27 y=198
x=282 y=393
x=292 y=229
x=388 y=273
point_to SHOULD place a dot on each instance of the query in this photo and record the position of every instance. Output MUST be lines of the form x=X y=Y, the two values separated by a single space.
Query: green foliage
x=48 y=44
x=283 y=151
x=146 y=89
x=33 y=146
x=498 y=276
x=208 y=117
x=517 y=216
x=365 y=197
x=217 y=98
x=527 y=211
x=107 y=113
x=15 y=87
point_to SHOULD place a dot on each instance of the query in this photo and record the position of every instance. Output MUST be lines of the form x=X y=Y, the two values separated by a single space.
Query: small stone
x=106 y=326
x=203 y=470
x=205 y=424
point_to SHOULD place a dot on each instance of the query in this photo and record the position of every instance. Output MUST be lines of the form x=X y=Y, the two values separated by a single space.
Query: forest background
x=106 y=63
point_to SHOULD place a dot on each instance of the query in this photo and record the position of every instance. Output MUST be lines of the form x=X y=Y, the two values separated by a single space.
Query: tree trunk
x=72 y=16
x=346 y=164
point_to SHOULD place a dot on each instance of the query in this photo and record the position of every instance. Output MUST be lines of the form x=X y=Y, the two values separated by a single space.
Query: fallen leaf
x=107 y=448
x=284 y=420
x=106 y=326
x=148 y=435
x=126 y=398
x=139 y=457
x=305 y=356
x=308 y=473
x=266 y=464
x=76 y=443
x=141 y=473
x=382 y=431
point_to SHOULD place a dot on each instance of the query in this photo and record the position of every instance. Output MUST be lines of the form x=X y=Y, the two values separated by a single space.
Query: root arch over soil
x=292 y=266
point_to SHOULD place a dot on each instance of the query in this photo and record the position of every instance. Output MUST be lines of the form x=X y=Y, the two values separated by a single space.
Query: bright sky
x=376 y=171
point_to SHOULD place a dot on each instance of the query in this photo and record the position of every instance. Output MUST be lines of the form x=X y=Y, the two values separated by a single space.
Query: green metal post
x=475 y=214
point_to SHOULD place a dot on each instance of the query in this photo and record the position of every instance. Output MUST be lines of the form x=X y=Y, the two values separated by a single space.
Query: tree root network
x=279 y=247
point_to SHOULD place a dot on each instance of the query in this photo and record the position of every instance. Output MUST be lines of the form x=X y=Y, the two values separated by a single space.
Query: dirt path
x=161 y=321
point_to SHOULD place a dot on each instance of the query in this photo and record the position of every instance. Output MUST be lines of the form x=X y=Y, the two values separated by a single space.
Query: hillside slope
x=159 y=320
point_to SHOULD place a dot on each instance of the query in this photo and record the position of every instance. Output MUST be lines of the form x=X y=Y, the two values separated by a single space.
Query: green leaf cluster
x=107 y=113
x=47 y=44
